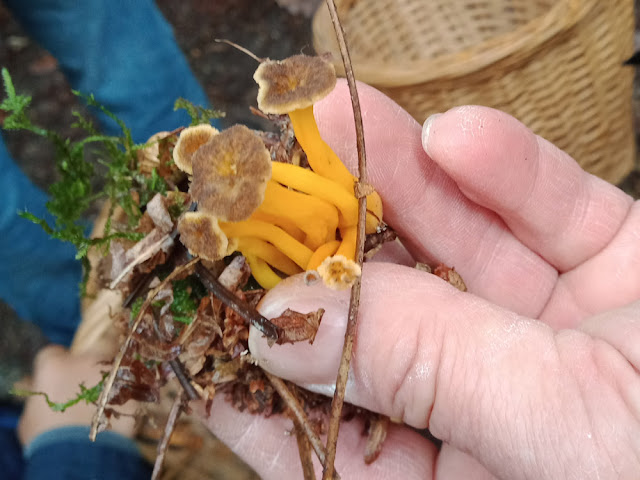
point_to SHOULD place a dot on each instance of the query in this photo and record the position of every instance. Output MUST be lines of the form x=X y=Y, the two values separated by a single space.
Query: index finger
x=546 y=199
x=435 y=220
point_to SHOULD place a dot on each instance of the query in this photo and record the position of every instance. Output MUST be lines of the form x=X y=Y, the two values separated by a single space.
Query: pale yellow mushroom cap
x=230 y=174
x=293 y=83
x=202 y=236
x=338 y=272
x=189 y=141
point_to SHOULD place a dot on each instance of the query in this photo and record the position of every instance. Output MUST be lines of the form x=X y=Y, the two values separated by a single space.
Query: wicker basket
x=556 y=65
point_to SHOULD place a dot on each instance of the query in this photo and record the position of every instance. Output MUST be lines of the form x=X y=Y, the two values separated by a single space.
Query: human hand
x=58 y=373
x=534 y=373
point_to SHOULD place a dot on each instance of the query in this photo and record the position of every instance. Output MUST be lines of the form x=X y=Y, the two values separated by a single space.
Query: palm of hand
x=534 y=237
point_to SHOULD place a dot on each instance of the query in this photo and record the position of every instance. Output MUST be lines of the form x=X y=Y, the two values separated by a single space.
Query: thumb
x=481 y=378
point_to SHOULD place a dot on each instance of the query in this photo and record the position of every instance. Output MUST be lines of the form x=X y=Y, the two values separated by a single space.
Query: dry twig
x=211 y=283
x=300 y=417
x=304 y=450
x=108 y=384
x=360 y=188
x=176 y=409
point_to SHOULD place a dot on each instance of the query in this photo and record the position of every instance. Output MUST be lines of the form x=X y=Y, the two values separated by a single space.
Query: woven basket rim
x=518 y=43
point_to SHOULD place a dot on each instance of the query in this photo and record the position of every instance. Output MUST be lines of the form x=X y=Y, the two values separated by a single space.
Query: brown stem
x=300 y=418
x=227 y=297
x=238 y=47
x=345 y=361
x=108 y=384
x=181 y=375
x=163 y=445
x=304 y=450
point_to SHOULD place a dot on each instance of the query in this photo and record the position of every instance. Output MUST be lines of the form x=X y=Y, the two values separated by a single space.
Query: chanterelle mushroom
x=293 y=83
x=189 y=141
x=292 y=86
x=202 y=236
x=230 y=174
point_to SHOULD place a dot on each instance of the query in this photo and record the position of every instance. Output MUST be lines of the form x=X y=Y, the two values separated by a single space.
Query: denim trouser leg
x=124 y=52
x=39 y=276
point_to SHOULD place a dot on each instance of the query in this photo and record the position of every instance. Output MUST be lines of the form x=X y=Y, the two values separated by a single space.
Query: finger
x=545 y=198
x=496 y=385
x=435 y=220
x=270 y=448
x=453 y=464
x=608 y=280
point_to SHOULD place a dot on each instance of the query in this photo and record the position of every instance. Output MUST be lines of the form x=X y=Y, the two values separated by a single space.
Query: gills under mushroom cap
x=230 y=174
x=293 y=83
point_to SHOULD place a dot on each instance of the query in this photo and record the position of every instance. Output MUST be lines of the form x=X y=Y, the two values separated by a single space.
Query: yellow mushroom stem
x=267 y=252
x=322 y=252
x=284 y=223
x=348 y=245
x=317 y=218
x=323 y=160
x=292 y=248
x=309 y=182
x=261 y=271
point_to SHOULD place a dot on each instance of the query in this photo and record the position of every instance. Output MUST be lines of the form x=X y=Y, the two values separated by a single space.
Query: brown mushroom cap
x=190 y=140
x=202 y=236
x=230 y=174
x=293 y=83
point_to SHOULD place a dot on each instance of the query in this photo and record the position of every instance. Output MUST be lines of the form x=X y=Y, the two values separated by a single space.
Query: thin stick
x=211 y=283
x=163 y=445
x=108 y=384
x=300 y=418
x=178 y=370
x=304 y=450
x=347 y=349
x=238 y=47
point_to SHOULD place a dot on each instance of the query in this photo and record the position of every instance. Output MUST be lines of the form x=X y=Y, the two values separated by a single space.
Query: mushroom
x=339 y=272
x=323 y=251
x=261 y=256
x=268 y=253
x=317 y=218
x=230 y=174
x=306 y=181
x=334 y=261
x=291 y=86
x=202 y=236
x=262 y=272
x=189 y=141
x=284 y=223
x=348 y=245
x=292 y=248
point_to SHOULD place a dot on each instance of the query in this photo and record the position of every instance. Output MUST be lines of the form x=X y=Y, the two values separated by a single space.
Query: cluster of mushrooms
x=285 y=219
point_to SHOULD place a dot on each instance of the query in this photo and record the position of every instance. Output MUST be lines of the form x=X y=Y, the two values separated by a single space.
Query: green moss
x=135 y=307
x=187 y=294
x=88 y=395
x=197 y=113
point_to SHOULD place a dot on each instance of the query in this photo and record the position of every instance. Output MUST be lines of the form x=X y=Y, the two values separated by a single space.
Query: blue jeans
x=124 y=52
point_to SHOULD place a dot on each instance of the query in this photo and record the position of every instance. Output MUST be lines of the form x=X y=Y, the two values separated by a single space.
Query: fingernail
x=426 y=131
x=302 y=362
